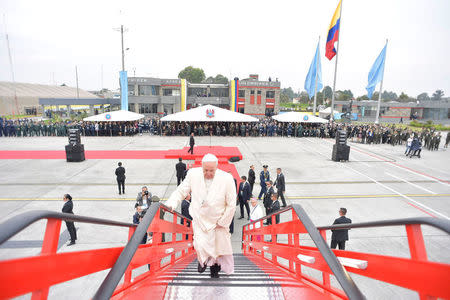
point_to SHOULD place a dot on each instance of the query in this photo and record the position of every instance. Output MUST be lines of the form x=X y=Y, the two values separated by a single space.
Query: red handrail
x=37 y=274
x=429 y=279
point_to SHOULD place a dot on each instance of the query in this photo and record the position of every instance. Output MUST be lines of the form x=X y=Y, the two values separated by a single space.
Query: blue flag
x=315 y=72
x=124 y=90
x=376 y=73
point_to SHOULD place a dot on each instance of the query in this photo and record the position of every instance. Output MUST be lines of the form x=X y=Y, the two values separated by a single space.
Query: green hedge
x=429 y=124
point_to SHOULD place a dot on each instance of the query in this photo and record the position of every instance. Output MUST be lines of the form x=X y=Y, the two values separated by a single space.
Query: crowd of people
x=266 y=127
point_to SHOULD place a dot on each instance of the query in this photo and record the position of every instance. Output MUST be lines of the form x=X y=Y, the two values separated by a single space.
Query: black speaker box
x=75 y=153
x=234 y=159
x=340 y=152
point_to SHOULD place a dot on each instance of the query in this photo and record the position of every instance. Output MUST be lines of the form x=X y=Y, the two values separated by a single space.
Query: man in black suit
x=275 y=206
x=68 y=209
x=281 y=187
x=268 y=196
x=339 y=236
x=185 y=211
x=120 y=174
x=191 y=143
x=181 y=171
x=244 y=195
x=251 y=177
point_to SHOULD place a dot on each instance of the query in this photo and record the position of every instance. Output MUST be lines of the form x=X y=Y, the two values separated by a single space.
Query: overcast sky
x=233 y=38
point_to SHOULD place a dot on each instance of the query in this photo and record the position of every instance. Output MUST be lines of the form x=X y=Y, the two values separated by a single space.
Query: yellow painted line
x=290 y=197
x=367 y=196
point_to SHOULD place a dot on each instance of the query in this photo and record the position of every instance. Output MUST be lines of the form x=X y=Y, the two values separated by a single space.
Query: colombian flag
x=333 y=33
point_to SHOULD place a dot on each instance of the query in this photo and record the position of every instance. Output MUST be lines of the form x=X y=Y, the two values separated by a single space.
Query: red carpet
x=223 y=153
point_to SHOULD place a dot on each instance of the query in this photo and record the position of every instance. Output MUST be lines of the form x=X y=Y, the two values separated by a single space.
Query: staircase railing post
x=49 y=246
x=325 y=276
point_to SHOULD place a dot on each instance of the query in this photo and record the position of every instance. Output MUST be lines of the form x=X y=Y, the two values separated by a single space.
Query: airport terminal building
x=163 y=96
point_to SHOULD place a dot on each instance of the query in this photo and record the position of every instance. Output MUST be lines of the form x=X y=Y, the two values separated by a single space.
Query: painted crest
x=305 y=118
x=108 y=116
x=210 y=113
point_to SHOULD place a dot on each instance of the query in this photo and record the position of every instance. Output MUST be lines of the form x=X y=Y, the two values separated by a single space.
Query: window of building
x=269 y=112
x=131 y=90
x=148 y=108
x=270 y=94
x=30 y=111
x=131 y=107
x=241 y=93
x=147 y=90
x=259 y=92
x=219 y=92
x=241 y=110
x=252 y=92
x=167 y=92
x=175 y=92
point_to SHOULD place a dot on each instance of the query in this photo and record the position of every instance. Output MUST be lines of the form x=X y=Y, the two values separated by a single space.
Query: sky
x=234 y=38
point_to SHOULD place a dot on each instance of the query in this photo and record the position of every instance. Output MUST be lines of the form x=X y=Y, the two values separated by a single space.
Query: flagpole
x=381 y=89
x=315 y=85
x=335 y=66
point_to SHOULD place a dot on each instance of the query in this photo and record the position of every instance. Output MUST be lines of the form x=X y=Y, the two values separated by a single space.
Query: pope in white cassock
x=213 y=203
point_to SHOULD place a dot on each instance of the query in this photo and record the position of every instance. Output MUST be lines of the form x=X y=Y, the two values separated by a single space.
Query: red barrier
x=38 y=273
x=429 y=279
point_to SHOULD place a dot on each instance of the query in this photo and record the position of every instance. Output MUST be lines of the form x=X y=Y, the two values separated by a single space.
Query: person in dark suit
x=268 y=197
x=244 y=195
x=339 y=236
x=120 y=175
x=191 y=143
x=281 y=186
x=68 y=209
x=251 y=177
x=274 y=206
x=264 y=176
x=185 y=211
x=137 y=218
x=181 y=171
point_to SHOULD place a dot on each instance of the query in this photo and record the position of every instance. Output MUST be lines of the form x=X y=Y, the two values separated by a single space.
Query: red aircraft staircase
x=269 y=267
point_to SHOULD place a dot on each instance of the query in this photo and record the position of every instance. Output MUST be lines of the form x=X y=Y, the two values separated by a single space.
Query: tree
x=403 y=97
x=375 y=96
x=423 y=96
x=191 y=74
x=437 y=95
x=344 y=95
x=388 y=96
x=288 y=92
x=327 y=92
x=285 y=98
x=363 y=97
x=220 y=79
x=304 y=97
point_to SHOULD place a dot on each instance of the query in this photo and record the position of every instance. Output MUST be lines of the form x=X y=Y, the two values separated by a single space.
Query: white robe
x=209 y=210
x=256 y=213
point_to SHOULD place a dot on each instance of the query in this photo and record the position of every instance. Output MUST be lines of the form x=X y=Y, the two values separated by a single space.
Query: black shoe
x=241 y=217
x=120 y=193
x=71 y=243
x=284 y=205
x=248 y=218
x=200 y=268
x=214 y=270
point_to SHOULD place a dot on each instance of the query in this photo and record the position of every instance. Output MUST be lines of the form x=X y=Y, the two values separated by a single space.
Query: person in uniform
x=264 y=176
x=339 y=236
x=212 y=208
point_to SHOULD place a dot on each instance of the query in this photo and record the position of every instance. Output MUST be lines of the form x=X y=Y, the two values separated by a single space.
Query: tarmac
x=378 y=183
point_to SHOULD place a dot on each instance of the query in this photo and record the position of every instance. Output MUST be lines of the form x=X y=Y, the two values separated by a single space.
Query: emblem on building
x=108 y=116
x=305 y=118
x=210 y=113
